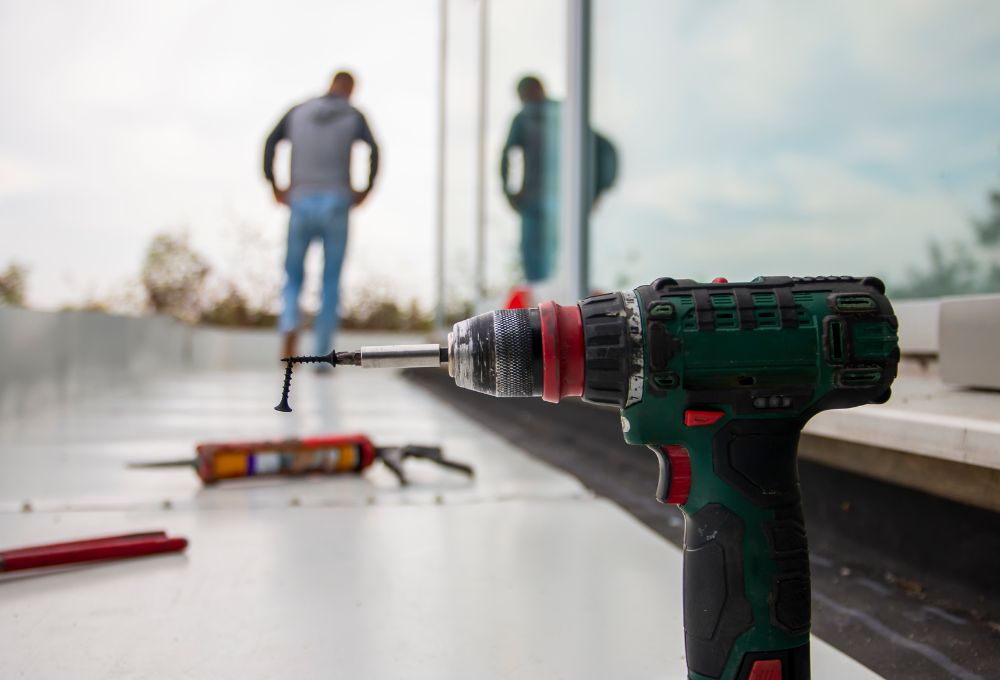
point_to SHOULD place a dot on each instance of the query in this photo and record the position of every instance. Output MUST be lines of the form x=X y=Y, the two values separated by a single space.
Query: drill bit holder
x=375 y=356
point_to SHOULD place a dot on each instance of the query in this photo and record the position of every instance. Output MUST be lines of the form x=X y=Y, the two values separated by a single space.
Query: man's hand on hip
x=280 y=195
x=360 y=196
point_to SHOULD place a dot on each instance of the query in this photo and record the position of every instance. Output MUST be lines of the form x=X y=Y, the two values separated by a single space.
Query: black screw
x=283 y=405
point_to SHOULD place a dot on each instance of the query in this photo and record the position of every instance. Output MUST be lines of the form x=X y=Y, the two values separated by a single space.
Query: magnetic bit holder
x=389 y=356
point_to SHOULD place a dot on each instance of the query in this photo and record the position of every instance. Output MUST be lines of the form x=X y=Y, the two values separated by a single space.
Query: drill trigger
x=663 y=479
x=674 y=482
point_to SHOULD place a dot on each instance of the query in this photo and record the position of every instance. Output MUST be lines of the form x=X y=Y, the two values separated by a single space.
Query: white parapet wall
x=48 y=358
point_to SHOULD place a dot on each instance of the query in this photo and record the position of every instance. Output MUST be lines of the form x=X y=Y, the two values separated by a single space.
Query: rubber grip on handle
x=746 y=562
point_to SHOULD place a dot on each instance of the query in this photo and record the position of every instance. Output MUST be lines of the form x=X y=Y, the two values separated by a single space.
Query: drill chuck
x=521 y=352
x=498 y=353
x=537 y=352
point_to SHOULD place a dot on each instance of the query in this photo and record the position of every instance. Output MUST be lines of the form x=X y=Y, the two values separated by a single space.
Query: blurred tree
x=229 y=310
x=177 y=280
x=124 y=297
x=14 y=285
x=234 y=309
x=961 y=268
x=989 y=229
x=373 y=308
x=173 y=275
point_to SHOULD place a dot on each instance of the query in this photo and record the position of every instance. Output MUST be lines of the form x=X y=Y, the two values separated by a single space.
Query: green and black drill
x=718 y=380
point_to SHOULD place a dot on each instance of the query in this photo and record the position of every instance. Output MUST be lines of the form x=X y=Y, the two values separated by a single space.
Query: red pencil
x=90 y=550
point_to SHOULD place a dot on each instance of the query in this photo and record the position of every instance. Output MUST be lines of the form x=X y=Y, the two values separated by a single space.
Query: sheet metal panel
x=522 y=574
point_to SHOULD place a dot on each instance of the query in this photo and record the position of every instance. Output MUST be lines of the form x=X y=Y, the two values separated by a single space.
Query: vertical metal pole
x=439 y=199
x=577 y=151
x=484 y=37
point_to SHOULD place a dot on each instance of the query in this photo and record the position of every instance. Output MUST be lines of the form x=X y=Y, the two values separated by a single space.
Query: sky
x=792 y=138
x=754 y=137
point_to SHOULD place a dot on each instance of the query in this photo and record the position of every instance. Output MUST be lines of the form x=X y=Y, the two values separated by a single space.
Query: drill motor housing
x=718 y=380
x=729 y=375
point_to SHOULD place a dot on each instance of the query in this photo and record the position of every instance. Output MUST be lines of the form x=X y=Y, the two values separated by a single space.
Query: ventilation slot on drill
x=725 y=319
x=859 y=377
x=764 y=300
x=855 y=303
x=836 y=342
x=767 y=318
x=667 y=381
x=723 y=301
x=661 y=310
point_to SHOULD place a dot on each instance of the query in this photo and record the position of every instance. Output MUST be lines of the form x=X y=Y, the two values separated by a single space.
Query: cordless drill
x=718 y=380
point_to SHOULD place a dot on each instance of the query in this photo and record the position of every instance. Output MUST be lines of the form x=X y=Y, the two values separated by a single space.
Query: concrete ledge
x=960 y=482
x=925 y=418
x=929 y=436
x=970 y=341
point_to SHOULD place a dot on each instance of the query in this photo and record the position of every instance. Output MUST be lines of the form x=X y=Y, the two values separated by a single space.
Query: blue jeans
x=539 y=238
x=318 y=216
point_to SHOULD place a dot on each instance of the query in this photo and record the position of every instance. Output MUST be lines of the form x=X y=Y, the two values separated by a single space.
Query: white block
x=970 y=341
x=918 y=326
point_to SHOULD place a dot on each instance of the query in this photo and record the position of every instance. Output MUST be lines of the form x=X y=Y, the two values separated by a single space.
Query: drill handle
x=746 y=563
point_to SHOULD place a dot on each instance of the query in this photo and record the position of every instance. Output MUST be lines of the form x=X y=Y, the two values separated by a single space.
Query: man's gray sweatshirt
x=322 y=132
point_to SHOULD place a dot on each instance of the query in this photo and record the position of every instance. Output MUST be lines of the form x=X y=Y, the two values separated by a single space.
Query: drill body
x=730 y=375
x=718 y=379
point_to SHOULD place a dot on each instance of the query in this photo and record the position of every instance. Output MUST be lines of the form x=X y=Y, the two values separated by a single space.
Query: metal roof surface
x=520 y=574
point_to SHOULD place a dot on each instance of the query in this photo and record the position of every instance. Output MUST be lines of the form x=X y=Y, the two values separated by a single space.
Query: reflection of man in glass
x=535 y=131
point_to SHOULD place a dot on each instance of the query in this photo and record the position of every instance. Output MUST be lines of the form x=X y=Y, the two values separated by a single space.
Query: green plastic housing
x=768 y=355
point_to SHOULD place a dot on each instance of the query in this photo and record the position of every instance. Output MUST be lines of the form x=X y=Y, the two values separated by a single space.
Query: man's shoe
x=289 y=345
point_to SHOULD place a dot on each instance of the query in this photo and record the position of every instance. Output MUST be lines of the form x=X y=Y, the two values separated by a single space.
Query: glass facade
x=796 y=138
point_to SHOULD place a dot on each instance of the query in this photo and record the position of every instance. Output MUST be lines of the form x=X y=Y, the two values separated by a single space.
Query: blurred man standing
x=322 y=132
